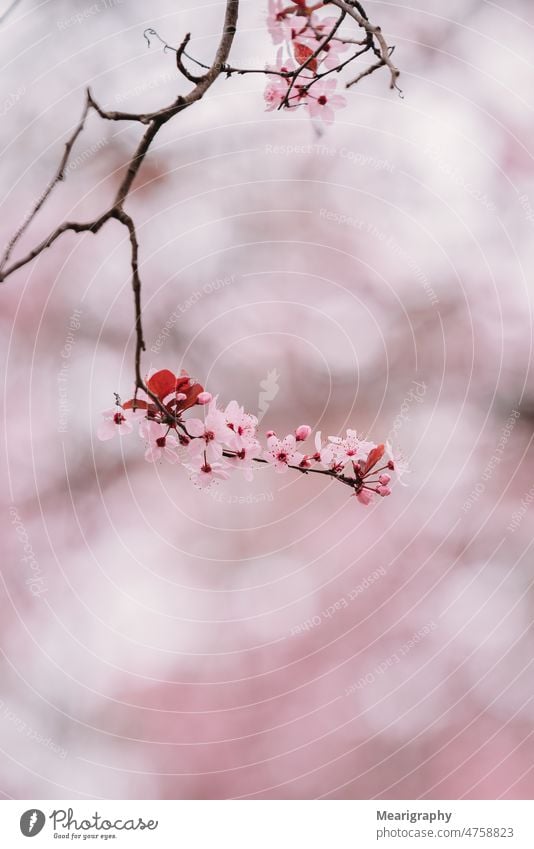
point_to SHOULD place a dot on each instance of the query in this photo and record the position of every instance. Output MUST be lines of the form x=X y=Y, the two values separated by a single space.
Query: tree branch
x=356 y=12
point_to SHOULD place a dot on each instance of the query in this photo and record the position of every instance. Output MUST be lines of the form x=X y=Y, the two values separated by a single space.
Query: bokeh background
x=154 y=641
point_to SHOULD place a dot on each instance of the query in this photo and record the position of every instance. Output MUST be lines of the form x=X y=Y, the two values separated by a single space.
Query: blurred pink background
x=377 y=276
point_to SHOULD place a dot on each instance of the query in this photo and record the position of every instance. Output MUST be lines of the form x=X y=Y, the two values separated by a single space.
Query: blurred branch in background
x=4 y=15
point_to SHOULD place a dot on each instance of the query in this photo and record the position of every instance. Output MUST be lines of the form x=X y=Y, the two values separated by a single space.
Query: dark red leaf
x=162 y=383
x=192 y=393
x=135 y=404
x=182 y=383
x=303 y=52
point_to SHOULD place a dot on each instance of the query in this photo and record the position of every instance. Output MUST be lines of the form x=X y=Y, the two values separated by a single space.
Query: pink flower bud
x=391 y=465
x=364 y=497
x=302 y=432
x=204 y=398
x=383 y=490
x=384 y=479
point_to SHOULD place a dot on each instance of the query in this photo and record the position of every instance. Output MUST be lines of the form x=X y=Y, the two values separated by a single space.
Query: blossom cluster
x=225 y=440
x=310 y=40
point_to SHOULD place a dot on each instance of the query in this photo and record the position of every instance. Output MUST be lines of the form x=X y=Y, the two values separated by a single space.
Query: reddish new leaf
x=135 y=404
x=192 y=394
x=162 y=383
x=302 y=53
x=374 y=456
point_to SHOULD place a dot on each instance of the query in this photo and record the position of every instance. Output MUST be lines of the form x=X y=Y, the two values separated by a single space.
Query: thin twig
x=311 y=57
x=5 y=15
x=59 y=176
x=330 y=473
x=356 y=12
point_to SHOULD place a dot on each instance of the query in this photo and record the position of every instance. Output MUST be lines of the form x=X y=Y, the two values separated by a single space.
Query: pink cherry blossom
x=277 y=86
x=322 y=101
x=225 y=440
x=204 y=474
x=275 y=92
x=162 y=445
x=282 y=23
x=118 y=420
x=241 y=426
x=327 y=455
x=208 y=435
x=282 y=453
x=334 y=51
x=243 y=460
x=351 y=448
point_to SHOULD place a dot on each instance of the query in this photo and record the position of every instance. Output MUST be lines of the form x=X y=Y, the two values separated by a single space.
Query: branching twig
x=60 y=175
x=155 y=121
x=311 y=57
x=355 y=10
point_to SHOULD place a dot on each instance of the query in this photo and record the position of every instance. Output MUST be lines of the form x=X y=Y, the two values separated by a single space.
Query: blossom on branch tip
x=225 y=440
